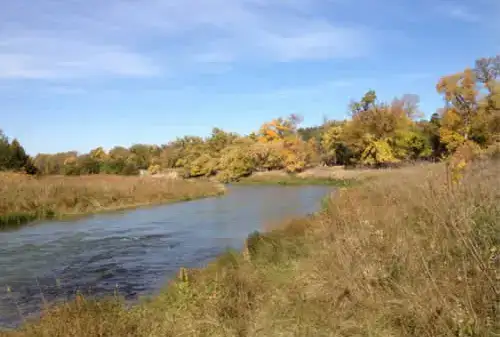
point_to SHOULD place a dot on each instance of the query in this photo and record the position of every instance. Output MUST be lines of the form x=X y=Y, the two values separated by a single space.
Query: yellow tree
x=488 y=73
x=460 y=92
x=330 y=142
x=294 y=151
x=98 y=154
x=279 y=129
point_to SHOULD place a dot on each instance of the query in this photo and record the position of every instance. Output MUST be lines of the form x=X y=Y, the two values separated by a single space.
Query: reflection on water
x=134 y=252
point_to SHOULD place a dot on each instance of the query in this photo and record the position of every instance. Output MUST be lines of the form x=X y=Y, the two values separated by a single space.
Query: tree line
x=376 y=134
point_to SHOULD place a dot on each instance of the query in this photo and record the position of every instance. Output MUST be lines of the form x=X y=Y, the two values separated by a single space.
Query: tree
x=115 y=161
x=331 y=142
x=71 y=167
x=460 y=93
x=380 y=134
x=411 y=144
x=219 y=140
x=487 y=128
x=378 y=153
x=87 y=164
x=431 y=131
x=236 y=162
x=53 y=163
x=98 y=154
x=143 y=154
x=279 y=129
x=18 y=157
x=367 y=101
x=4 y=152
x=488 y=71
x=408 y=105
x=472 y=109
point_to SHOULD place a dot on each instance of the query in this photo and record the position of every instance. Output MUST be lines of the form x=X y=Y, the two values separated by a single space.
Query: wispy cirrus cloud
x=457 y=11
x=41 y=57
x=53 y=39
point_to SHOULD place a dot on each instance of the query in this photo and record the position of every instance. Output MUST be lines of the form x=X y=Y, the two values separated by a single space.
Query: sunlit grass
x=25 y=198
x=401 y=255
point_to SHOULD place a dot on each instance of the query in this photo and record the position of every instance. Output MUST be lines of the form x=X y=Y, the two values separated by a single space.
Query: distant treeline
x=376 y=134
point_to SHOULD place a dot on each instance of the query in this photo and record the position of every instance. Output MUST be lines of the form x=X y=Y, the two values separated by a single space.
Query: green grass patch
x=15 y=220
x=18 y=219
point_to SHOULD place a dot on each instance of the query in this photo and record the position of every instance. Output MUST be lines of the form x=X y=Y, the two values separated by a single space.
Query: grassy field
x=25 y=198
x=401 y=255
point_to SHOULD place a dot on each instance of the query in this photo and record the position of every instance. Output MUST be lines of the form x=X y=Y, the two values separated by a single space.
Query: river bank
x=135 y=252
x=293 y=180
x=337 y=176
x=405 y=255
x=26 y=199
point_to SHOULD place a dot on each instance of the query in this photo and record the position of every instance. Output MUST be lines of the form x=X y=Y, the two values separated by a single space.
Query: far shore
x=28 y=199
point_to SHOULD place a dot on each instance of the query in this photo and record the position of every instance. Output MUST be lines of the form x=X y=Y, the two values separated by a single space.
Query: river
x=134 y=252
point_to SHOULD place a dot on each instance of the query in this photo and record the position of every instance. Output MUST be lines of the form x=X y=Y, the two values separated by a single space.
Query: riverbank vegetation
x=377 y=134
x=403 y=255
x=26 y=198
x=295 y=180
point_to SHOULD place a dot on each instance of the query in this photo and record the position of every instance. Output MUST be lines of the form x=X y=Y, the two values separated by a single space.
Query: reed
x=401 y=255
x=25 y=198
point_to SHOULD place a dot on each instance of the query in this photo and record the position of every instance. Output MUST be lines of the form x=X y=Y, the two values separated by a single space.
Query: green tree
x=18 y=157
x=143 y=154
x=88 y=165
x=5 y=154
x=430 y=129
x=367 y=102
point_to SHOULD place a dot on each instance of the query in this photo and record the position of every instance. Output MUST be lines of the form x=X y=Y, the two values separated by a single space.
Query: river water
x=134 y=252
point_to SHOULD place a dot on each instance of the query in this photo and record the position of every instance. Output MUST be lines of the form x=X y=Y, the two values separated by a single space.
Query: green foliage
x=18 y=157
x=4 y=151
x=411 y=145
x=13 y=157
x=312 y=132
x=130 y=169
x=86 y=164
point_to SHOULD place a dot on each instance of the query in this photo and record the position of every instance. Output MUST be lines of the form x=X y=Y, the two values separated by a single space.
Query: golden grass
x=401 y=255
x=25 y=198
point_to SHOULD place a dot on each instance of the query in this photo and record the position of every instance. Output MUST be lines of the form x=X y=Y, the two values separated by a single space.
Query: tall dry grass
x=24 y=198
x=402 y=255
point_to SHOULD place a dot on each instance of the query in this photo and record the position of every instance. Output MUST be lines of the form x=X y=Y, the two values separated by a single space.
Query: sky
x=77 y=74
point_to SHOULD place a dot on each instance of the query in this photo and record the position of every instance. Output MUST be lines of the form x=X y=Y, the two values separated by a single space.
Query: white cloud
x=36 y=57
x=121 y=38
x=457 y=11
x=461 y=13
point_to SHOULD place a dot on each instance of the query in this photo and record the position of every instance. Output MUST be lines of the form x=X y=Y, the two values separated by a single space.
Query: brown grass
x=25 y=198
x=402 y=255
x=343 y=173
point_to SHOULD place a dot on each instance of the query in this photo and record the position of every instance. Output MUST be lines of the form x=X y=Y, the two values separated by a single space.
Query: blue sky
x=78 y=74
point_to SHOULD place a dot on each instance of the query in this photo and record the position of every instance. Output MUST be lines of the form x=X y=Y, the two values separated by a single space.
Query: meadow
x=26 y=198
x=405 y=254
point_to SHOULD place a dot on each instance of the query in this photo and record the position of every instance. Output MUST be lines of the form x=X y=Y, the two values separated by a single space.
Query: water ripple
x=133 y=252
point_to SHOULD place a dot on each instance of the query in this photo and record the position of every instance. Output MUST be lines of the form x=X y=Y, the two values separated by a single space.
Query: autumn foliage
x=377 y=134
